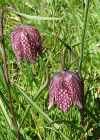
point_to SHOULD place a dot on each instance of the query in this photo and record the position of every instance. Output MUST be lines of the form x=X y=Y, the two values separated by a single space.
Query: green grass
x=31 y=77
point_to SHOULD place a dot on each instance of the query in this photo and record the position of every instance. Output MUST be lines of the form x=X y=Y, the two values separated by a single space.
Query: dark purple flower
x=26 y=42
x=65 y=87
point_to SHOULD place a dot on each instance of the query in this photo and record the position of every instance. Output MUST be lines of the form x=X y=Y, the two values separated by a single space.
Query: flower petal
x=52 y=91
x=63 y=96
x=29 y=49
x=16 y=44
x=34 y=34
x=77 y=90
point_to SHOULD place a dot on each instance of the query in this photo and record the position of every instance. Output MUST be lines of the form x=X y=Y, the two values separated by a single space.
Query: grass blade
x=37 y=17
x=1 y=136
x=93 y=117
x=3 y=76
x=33 y=104
x=5 y=114
x=38 y=93
x=68 y=122
x=45 y=116
x=83 y=34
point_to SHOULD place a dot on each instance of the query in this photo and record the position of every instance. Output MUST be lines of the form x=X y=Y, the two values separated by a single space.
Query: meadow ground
x=29 y=78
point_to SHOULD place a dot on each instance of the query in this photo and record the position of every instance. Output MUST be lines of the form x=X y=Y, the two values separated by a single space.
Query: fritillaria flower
x=65 y=87
x=26 y=42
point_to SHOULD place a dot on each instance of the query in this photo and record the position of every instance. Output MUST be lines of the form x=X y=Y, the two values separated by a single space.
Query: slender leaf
x=1 y=136
x=96 y=133
x=93 y=117
x=83 y=34
x=33 y=104
x=45 y=116
x=3 y=76
x=5 y=100
x=67 y=122
x=5 y=114
x=37 y=17
x=38 y=93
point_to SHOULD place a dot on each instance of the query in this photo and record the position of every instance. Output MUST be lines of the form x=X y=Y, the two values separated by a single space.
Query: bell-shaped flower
x=26 y=42
x=65 y=87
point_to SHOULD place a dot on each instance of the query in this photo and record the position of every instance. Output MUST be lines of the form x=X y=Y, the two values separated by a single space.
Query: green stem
x=83 y=34
x=81 y=60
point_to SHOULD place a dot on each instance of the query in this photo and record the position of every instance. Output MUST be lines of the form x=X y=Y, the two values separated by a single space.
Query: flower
x=26 y=42
x=65 y=87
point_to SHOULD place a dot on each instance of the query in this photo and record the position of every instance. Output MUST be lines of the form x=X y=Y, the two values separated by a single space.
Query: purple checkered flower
x=26 y=42
x=65 y=87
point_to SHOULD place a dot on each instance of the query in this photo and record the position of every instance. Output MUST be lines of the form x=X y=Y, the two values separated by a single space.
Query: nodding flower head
x=65 y=87
x=26 y=42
